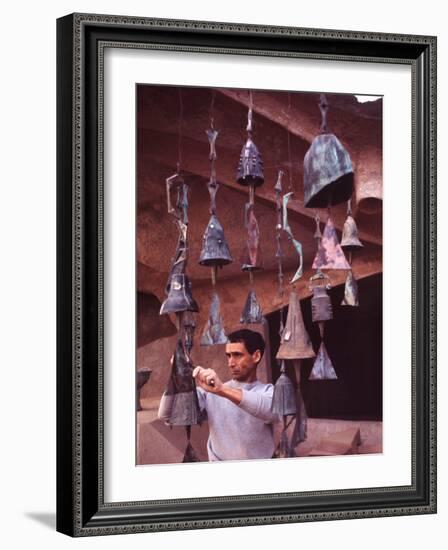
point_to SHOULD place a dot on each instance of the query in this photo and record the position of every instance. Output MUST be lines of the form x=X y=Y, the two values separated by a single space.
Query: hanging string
x=290 y=188
x=179 y=132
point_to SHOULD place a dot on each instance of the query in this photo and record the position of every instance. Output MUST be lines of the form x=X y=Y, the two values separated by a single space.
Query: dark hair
x=252 y=340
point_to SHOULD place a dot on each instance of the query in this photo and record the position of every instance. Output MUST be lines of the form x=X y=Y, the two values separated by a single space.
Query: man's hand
x=208 y=380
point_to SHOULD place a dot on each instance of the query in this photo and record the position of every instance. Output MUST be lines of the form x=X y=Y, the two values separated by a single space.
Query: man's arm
x=208 y=380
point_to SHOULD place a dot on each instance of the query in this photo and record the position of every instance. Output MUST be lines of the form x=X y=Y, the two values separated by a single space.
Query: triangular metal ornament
x=214 y=330
x=323 y=367
x=295 y=342
x=251 y=313
x=330 y=254
x=350 y=291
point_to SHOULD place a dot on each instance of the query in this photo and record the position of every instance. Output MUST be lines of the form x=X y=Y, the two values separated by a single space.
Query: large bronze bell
x=250 y=166
x=330 y=254
x=321 y=308
x=323 y=367
x=295 y=342
x=179 y=296
x=327 y=173
x=284 y=401
x=350 y=239
x=251 y=313
x=215 y=250
x=181 y=400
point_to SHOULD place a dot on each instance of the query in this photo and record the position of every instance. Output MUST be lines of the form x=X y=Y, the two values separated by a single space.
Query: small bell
x=252 y=313
x=251 y=258
x=179 y=296
x=322 y=368
x=184 y=405
x=295 y=342
x=214 y=331
x=327 y=168
x=350 y=291
x=329 y=254
x=215 y=250
x=284 y=398
x=350 y=240
x=321 y=308
x=250 y=167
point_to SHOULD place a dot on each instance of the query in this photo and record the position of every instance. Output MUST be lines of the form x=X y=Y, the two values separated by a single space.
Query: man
x=238 y=411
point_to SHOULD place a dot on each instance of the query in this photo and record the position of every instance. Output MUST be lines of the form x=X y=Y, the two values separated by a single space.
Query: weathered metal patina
x=350 y=291
x=251 y=258
x=321 y=308
x=327 y=168
x=214 y=331
x=295 y=342
x=179 y=296
x=329 y=253
x=215 y=250
x=297 y=245
x=350 y=240
x=251 y=313
x=323 y=367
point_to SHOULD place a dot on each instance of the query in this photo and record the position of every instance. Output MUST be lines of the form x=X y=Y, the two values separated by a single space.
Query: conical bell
x=329 y=254
x=184 y=404
x=350 y=291
x=179 y=297
x=323 y=368
x=251 y=257
x=321 y=308
x=350 y=240
x=214 y=331
x=327 y=173
x=215 y=250
x=251 y=313
x=250 y=167
x=295 y=342
x=284 y=397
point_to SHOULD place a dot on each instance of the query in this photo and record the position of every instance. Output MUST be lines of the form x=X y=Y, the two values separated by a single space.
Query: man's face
x=242 y=364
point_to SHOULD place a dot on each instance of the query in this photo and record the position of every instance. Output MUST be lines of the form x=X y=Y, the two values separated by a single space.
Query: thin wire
x=180 y=121
x=289 y=146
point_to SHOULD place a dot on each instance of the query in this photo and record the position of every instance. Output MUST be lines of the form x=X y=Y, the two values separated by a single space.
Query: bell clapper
x=251 y=278
x=321 y=329
x=214 y=273
x=350 y=257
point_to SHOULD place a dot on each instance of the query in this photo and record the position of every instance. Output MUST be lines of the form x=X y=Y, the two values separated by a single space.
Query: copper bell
x=181 y=391
x=251 y=313
x=350 y=240
x=284 y=399
x=321 y=309
x=350 y=291
x=323 y=368
x=214 y=331
x=215 y=250
x=295 y=342
x=330 y=254
x=250 y=167
x=179 y=296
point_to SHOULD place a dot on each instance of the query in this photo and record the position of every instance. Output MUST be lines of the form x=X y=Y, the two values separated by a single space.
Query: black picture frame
x=81 y=510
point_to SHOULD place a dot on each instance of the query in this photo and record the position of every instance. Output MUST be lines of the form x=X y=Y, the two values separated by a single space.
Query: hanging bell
x=327 y=173
x=251 y=258
x=181 y=391
x=322 y=368
x=251 y=313
x=300 y=428
x=350 y=291
x=250 y=167
x=329 y=254
x=215 y=250
x=321 y=308
x=284 y=397
x=350 y=240
x=295 y=342
x=214 y=331
x=179 y=296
